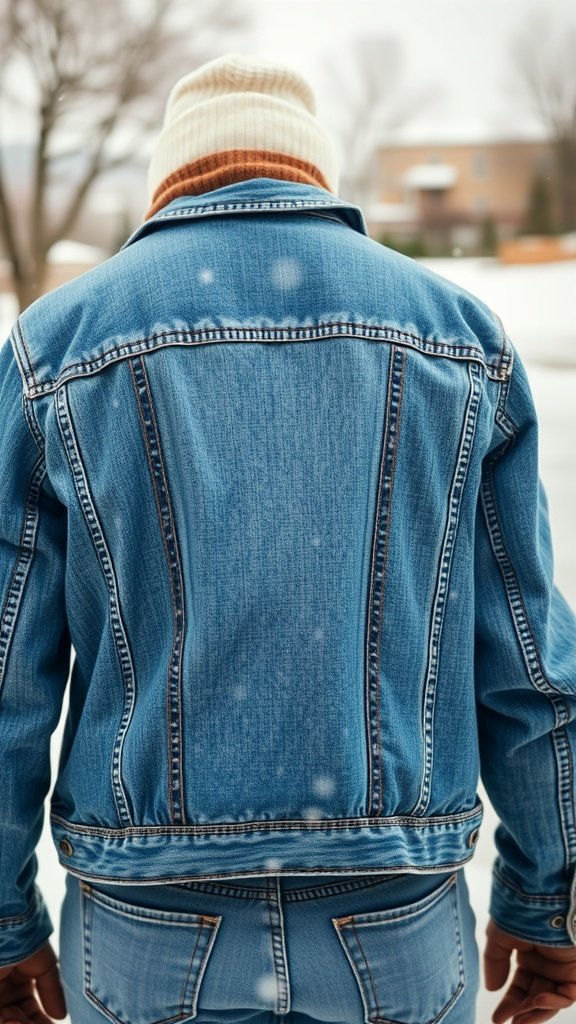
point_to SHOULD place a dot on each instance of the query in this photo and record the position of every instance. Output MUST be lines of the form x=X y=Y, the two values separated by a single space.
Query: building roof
x=434 y=133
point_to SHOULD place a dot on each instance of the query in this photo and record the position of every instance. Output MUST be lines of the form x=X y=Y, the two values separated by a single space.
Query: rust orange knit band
x=210 y=172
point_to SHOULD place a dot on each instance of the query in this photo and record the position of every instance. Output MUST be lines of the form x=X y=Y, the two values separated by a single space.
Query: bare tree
x=99 y=72
x=543 y=60
x=370 y=100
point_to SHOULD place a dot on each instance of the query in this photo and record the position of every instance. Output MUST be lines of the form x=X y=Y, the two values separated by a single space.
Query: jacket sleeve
x=34 y=659
x=525 y=679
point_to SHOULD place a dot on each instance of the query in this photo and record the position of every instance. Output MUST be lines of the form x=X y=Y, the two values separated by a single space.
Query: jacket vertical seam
x=506 y=360
x=22 y=353
x=161 y=490
x=29 y=413
x=565 y=765
x=527 y=644
x=380 y=542
x=467 y=434
x=513 y=593
x=22 y=563
x=120 y=640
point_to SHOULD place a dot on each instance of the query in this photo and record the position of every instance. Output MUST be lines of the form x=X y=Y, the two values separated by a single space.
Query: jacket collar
x=255 y=195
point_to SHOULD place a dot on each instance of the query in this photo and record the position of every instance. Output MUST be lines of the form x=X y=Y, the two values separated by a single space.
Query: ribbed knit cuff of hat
x=236 y=118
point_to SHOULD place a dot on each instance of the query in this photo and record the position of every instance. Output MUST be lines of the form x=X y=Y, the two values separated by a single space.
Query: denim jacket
x=276 y=486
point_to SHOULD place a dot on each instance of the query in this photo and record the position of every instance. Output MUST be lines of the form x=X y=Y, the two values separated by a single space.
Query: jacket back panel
x=270 y=589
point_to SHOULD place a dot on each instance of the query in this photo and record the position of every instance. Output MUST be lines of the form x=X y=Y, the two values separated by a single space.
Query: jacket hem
x=346 y=845
x=24 y=934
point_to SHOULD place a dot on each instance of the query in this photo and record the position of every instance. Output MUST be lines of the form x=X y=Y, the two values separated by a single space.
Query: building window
x=480 y=164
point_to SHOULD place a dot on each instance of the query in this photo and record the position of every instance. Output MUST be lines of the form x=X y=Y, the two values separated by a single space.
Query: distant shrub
x=413 y=247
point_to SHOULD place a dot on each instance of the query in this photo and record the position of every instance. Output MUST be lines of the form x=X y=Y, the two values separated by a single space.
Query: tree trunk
x=29 y=285
x=565 y=152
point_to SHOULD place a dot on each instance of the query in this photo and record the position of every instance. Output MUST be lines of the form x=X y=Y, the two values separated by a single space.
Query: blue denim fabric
x=370 y=949
x=276 y=486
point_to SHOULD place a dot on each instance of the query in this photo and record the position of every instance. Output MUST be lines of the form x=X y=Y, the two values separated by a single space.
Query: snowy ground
x=537 y=307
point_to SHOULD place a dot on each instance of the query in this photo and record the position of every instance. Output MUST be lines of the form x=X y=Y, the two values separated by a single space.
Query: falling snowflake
x=312 y=813
x=286 y=273
x=267 y=986
x=323 y=785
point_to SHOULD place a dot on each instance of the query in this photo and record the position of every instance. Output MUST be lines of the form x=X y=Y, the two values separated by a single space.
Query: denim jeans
x=339 y=949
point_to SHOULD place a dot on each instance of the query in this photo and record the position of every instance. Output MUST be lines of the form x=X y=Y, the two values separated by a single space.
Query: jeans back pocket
x=142 y=965
x=407 y=960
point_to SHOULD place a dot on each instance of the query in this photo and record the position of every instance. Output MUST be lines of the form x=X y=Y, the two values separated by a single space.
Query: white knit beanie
x=238 y=117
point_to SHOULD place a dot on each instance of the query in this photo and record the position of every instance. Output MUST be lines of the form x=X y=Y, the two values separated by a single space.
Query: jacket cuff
x=24 y=934
x=546 y=919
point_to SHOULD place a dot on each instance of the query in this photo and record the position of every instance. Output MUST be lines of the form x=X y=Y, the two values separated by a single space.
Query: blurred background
x=456 y=125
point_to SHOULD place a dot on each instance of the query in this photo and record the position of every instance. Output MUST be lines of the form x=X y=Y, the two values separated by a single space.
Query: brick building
x=446 y=193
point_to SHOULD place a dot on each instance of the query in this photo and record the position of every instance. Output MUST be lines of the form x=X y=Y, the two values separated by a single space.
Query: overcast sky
x=461 y=46
x=456 y=51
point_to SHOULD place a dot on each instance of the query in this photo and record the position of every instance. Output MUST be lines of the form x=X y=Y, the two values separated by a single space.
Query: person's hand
x=19 y=1000
x=544 y=981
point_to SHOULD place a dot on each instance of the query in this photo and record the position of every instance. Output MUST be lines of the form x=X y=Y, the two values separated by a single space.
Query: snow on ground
x=8 y=311
x=536 y=305
x=68 y=251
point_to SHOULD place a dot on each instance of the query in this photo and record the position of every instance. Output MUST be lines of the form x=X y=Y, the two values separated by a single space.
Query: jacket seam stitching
x=271 y=204
x=29 y=413
x=218 y=335
x=565 y=781
x=506 y=355
x=121 y=646
x=523 y=631
x=285 y=825
x=411 y=867
x=22 y=562
x=21 y=349
x=493 y=523
x=457 y=486
x=529 y=897
x=380 y=541
x=16 y=919
x=153 y=447
x=502 y=416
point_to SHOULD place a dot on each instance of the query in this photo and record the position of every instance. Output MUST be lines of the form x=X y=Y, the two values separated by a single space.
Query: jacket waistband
x=347 y=845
